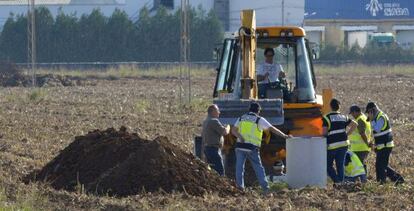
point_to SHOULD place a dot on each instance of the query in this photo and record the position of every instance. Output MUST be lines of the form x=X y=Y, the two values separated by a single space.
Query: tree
x=118 y=34
x=13 y=39
x=91 y=45
x=44 y=39
x=65 y=38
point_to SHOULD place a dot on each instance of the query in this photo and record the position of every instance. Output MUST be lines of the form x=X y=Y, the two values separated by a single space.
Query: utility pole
x=283 y=12
x=185 y=48
x=31 y=40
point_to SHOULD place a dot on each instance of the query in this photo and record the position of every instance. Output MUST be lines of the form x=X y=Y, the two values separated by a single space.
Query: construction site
x=124 y=135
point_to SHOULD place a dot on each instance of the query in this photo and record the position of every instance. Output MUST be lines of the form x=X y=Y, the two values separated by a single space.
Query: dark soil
x=121 y=163
x=12 y=76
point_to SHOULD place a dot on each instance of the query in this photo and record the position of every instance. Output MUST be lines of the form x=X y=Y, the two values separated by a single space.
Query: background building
x=352 y=21
x=268 y=12
x=78 y=7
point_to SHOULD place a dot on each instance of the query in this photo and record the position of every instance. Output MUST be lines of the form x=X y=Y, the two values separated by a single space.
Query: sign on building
x=359 y=9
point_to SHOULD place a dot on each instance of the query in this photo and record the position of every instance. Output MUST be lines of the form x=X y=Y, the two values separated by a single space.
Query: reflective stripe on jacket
x=384 y=137
x=337 y=124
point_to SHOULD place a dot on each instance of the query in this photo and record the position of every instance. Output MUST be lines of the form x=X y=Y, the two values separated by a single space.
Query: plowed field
x=35 y=125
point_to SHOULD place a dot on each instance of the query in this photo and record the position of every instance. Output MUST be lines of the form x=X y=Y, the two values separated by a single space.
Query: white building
x=131 y=7
x=268 y=12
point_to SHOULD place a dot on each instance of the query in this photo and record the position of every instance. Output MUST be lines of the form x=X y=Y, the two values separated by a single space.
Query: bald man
x=212 y=135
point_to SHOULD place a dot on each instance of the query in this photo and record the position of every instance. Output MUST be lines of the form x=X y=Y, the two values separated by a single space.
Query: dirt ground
x=34 y=130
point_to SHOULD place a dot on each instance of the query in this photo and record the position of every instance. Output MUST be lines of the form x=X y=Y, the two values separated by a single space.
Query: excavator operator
x=268 y=72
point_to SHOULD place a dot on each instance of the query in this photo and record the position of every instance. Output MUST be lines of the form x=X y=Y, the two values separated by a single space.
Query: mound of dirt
x=12 y=76
x=50 y=80
x=121 y=163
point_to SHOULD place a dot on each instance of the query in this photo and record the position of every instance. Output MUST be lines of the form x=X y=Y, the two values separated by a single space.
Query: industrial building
x=268 y=12
x=348 y=22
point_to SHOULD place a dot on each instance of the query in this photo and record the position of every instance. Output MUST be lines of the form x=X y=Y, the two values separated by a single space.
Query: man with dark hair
x=381 y=127
x=334 y=128
x=212 y=136
x=268 y=72
x=360 y=138
x=249 y=130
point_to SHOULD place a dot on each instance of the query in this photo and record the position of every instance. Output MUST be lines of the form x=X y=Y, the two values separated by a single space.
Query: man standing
x=249 y=130
x=212 y=136
x=334 y=128
x=268 y=72
x=360 y=138
x=381 y=127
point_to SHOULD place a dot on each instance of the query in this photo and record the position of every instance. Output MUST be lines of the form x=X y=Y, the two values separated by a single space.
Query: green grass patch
x=199 y=104
x=125 y=71
x=278 y=186
x=142 y=106
x=374 y=187
x=37 y=95
x=25 y=200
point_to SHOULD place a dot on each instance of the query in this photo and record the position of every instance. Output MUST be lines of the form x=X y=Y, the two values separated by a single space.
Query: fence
x=107 y=65
x=164 y=65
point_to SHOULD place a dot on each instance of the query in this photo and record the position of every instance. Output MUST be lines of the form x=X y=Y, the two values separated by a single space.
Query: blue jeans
x=214 y=159
x=254 y=158
x=337 y=155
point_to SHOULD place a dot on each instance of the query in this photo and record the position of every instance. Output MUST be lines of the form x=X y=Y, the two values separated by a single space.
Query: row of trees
x=94 y=37
x=371 y=53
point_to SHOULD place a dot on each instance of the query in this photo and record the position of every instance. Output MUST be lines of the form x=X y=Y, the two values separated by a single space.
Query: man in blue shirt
x=381 y=127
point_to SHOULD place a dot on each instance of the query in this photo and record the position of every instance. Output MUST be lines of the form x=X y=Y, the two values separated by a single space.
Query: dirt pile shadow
x=120 y=163
x=12 y=76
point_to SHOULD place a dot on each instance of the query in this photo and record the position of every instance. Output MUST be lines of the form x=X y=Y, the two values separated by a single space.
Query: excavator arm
x=247 y=35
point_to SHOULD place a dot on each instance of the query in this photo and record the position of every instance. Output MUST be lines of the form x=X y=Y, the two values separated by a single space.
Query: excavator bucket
x=231 y=110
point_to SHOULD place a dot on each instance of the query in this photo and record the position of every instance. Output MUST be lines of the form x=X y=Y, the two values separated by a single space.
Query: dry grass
x=36 y=124
x=128 y=71
x=364 y=69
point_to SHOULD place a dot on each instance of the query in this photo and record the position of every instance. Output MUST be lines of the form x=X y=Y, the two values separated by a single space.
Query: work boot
x=267 y=193
x=399 y=181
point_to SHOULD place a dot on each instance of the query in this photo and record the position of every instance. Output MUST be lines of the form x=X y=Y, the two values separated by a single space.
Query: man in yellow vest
x=249 y=130
x=354 y=168
x=360 y=138
x=381 y=127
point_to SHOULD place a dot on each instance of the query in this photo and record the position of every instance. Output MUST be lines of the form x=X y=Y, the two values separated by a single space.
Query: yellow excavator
x=291 y=104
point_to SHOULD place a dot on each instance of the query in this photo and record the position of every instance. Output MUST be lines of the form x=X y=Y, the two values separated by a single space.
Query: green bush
x=371 y=53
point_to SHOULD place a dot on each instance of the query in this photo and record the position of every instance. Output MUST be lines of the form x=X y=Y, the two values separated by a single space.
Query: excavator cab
x=290 y=103
x=291 y=53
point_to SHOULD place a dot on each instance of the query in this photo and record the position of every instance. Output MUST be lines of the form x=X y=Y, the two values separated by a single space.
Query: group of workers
x=348 y=143
x=348 y=140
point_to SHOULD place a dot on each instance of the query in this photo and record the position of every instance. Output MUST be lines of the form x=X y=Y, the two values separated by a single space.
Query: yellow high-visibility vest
x=357 y=143
x=355 y=167
x=251 y=132
x=381 y=138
